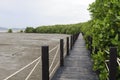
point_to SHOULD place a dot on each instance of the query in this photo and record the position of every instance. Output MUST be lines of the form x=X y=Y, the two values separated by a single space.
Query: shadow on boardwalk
x=78 y=65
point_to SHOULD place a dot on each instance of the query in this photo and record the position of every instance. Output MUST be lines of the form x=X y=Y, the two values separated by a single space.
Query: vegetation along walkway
x=78 y=65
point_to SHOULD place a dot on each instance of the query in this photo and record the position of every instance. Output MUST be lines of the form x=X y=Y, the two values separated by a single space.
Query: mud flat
x=19 y=49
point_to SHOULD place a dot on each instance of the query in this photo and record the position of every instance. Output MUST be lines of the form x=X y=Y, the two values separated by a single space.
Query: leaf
x=100 y=35
x=114 y=42
x=116 y=37
x=118 y=17
x=112 y=31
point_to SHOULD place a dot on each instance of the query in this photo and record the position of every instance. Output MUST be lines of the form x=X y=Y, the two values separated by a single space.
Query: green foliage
x=104 y=28
x=29 y=30
x=61 y=29
x=10 y=31
x=21 y=31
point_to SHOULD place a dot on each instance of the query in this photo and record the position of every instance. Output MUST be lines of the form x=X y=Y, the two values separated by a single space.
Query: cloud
x=22 y=13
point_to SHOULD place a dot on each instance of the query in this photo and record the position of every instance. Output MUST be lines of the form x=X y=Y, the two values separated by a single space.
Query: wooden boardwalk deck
x=78 y=65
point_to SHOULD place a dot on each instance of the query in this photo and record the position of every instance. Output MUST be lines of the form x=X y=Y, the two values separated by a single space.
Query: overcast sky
x=23 y=13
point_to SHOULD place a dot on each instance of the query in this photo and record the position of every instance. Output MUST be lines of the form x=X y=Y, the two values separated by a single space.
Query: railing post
x=61 y=53
x=90 y=44
x=71 y=42
x=95 y=50
x=76 y=36
x=73 y=39
x=67 y=45
x=45 y=63
x=113 y=63
x=82 y=33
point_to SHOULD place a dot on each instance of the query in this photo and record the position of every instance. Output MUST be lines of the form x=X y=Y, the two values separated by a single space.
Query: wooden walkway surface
x=78 y=65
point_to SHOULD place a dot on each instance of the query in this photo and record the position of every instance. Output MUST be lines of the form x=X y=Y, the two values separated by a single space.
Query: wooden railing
x=111 y=64
x=62 y=50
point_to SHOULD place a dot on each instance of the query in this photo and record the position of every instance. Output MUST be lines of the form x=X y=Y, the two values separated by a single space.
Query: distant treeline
x=61 y=29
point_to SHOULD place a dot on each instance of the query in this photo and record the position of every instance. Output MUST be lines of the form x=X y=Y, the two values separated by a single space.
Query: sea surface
x=3 y=30
x=7 y=30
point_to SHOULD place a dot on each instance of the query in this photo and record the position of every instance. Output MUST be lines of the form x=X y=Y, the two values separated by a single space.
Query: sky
x=34 y=13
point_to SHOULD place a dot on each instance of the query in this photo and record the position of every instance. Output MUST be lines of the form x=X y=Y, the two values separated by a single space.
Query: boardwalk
x=78 y=65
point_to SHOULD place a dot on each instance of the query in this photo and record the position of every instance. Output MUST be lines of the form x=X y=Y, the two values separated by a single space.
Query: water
x=3 y=30
x=7 y=30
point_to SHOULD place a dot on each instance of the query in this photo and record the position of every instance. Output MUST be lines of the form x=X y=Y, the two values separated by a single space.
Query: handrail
x=107 y=61
x=58 y=63
x=54 y=68
x=32 y=70
x=107 y=51
x=112 y=66
x=22 y=68
x=54 y=58
x=106 y=65
x=53 y=48
x=28 y=65
x=38 y=63
x=118 y=61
